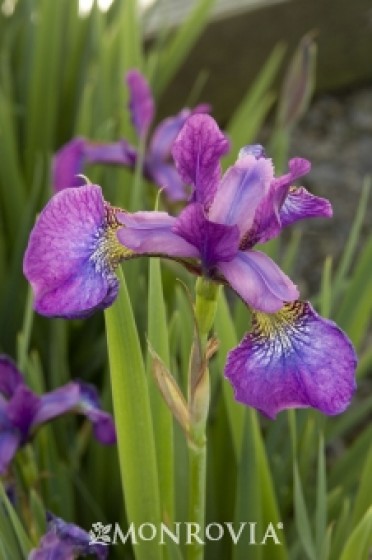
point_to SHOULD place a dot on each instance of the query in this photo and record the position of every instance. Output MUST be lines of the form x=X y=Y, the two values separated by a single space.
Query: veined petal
x=72 y=253
x=141 y=102
x=293 y=359
x=259 y=281
x=300 y=204
x=10 y=377
x=68 y=162
x=240 y=192
x=167 y=130
x=197 y=152
x=267 y=222
x=298 y=167
x=151 y=233
x=215 y=242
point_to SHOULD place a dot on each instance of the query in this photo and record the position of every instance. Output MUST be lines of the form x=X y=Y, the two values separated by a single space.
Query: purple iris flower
x=22 y=411
x=227 y=215
x=292 y=357
x=70 y=160
x=72 y=254
x=66 y=541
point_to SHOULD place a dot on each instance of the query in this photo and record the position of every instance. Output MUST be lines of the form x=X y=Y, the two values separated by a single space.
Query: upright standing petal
x=197 y=152
x=241 y=191
x=293 y=359
x=72 y=253
x=141 y=103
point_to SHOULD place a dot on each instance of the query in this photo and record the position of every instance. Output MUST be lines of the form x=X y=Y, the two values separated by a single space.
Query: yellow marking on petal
x=109 y=251
x=280 y=324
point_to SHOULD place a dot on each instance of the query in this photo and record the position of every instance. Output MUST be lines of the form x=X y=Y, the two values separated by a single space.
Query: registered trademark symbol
x=279 y=525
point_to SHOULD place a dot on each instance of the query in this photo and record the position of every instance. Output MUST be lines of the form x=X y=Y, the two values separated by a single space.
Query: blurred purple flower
x=22 y=411
x=293 y=359
x=72 y=254
x=227 y=216
x=66 y=541
x=70 y=160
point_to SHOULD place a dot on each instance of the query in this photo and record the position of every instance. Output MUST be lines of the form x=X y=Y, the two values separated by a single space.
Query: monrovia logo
x=185 y=533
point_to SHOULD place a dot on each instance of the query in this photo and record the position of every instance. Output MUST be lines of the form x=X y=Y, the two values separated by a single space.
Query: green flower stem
x=199 y=395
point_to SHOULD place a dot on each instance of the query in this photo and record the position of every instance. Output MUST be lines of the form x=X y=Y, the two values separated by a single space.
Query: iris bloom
x=70 y=160
x=66 y=541
x=289 y=358
x=22 y=412
x=292 y=357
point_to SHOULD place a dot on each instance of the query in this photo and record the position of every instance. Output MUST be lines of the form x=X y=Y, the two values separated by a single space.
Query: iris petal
x=300 y=204
x=259 y=281
x=72 y=253
x=293 y=359
x=141 y=102
x=151 y=233
x=272 y=211
x=68 y=162
x=240 y=192
x=78 y=397
x=165 y=176
x=197 y=152
x=215 y=242
x=21 y=410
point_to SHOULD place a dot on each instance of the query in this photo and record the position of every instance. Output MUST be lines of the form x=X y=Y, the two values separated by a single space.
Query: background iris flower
x=22 y=411
x=66 y=541
x=71 y=159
